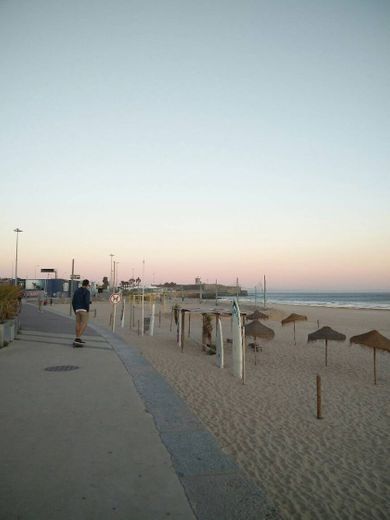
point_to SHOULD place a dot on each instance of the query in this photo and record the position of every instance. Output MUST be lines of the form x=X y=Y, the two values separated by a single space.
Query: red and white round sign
x=115 y=298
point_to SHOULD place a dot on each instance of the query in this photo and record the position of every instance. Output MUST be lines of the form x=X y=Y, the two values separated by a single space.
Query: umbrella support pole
x=374 y=366
x=326 y=352
x=319 y=396
x=295 y=342
x=255 y=348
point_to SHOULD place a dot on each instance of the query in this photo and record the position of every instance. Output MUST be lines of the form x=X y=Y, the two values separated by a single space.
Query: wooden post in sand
x=189 y=324
x=243 y=349
x=170 y=327
x=159 y=318
x=138 y=329
x=319 y=416
x=326 y=352
x=183 y=326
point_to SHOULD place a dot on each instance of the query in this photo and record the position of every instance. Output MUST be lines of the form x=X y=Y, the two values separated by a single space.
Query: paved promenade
x=97 y=433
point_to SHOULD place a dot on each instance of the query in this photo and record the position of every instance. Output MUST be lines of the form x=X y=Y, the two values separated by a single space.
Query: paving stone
x=197 y=453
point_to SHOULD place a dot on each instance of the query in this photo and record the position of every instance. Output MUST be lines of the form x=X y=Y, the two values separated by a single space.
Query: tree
x=105 y=282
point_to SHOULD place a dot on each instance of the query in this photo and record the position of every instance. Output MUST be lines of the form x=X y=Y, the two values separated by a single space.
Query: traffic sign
x=115 y=298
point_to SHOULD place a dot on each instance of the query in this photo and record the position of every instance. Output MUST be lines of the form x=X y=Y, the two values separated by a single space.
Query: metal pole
x=114 y=317
x=123 y=313
x=16 y=257
x=17 y=231
x=111 y=255
x=143 y=299
x=113 y=280
x=71 y=288
x=151 y=330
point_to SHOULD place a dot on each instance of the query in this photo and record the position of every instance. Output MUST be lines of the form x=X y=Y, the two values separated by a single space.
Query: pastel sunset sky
x=218 y=139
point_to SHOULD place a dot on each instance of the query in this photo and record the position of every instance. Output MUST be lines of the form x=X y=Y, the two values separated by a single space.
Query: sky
x=224 y=139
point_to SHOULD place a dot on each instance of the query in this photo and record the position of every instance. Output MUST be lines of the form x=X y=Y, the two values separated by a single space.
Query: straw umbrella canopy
x=374 y=340
x=257 y=315
x=292 y=319
x=258 y=330
x=327 y=334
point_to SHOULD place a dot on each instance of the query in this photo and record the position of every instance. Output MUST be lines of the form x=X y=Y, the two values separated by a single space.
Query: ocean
x=353 y=300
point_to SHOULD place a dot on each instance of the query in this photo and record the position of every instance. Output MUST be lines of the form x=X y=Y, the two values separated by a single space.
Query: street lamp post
x=115 y=275
x=17 y=231
x=111 y=273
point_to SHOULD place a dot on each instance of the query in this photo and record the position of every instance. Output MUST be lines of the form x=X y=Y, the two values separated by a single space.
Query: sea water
x=353 y=300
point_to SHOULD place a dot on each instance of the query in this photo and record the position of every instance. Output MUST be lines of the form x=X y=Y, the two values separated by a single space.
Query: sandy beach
x=336 y=467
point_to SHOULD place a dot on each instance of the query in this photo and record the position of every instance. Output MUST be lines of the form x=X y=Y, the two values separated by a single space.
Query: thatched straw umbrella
x=257 y=315
x=327 y=334
x=292 y=319
x=258 y=330
x=373 y=339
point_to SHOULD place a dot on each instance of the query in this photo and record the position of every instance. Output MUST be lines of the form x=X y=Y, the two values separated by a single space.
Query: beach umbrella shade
x=374 y=340
x=255 y=329
x=257 y=315
x=327 y=334
x=292 y=319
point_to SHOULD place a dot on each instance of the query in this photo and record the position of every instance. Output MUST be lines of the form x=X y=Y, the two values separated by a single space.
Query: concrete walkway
x=97 y=433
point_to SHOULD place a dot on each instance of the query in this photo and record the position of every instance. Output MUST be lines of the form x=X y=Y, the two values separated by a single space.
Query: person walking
x=41 y=299
x=80 y=302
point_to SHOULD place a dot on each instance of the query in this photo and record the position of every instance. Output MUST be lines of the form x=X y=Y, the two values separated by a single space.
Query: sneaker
x=81 y=340
x=78 y=343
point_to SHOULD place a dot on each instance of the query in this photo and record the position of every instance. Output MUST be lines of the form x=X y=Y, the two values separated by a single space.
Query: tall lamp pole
x=115 y=275
x=17 y=231
x=111 y=273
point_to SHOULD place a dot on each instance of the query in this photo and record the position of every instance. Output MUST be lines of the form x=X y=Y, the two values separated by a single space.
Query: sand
x=332 y=468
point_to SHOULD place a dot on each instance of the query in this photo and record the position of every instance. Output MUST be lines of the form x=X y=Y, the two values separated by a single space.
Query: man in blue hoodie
x=80 y=302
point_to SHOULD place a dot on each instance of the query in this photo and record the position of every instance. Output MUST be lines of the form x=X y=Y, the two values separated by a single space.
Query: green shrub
x=9 y=301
